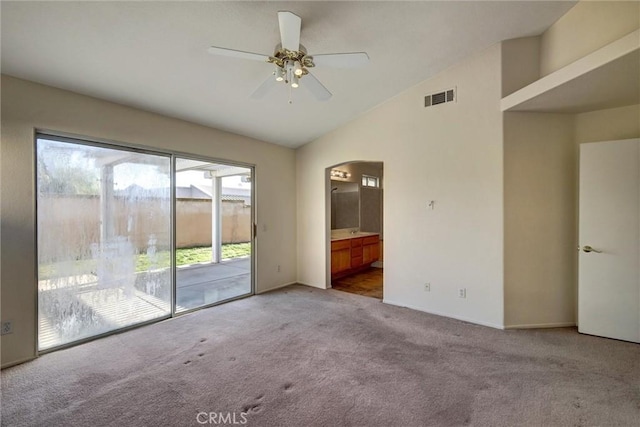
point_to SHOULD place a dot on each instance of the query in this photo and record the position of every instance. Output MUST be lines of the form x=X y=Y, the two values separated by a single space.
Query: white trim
x=313 y=286
x=541 y=325
x=284 y=285
x=464 y=319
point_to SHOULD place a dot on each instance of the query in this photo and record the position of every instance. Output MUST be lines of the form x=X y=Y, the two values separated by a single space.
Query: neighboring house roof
x=237 y=194
x=246 y=200
x=192 y=192
x=204 y=192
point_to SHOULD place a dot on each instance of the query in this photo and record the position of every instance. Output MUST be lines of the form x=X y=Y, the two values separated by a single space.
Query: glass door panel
x=104 y=239
x=213 y=233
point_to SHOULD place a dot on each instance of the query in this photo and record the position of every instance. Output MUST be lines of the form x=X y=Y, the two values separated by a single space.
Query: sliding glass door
x=104 y=239
x=213 y=232
x=117 y=247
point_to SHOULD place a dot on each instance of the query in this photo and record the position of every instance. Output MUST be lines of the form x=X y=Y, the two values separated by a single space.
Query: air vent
x=438 y=98
x=441 y=97
x=450 y=95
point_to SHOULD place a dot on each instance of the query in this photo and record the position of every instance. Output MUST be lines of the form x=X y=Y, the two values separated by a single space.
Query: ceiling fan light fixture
x=294 y=81
x=279 y=74
x=288 y=67
x=297 y=69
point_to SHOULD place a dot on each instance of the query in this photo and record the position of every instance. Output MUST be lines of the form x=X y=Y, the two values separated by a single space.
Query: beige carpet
x=308 y=357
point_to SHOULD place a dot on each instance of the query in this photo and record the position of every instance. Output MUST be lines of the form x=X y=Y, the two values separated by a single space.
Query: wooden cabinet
x=370 y=253
x=340 y=256
x=352 y=255
x=370 y=249
x=356 y=252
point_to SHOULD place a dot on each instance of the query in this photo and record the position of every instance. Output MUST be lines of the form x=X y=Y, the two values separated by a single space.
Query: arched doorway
x=356 y=237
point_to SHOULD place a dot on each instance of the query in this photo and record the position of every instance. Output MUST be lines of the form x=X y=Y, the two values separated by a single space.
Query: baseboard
x=311 y=286
x=18 y=362
x=541 y=325
x=284 y=285
x=437 y=313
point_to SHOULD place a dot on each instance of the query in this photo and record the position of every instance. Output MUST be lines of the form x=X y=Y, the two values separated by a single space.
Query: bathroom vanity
x=353 y=252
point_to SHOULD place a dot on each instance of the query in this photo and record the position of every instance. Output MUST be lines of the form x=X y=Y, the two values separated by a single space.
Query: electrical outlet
x=427 y=287
x=462 y=293
x=7 y=327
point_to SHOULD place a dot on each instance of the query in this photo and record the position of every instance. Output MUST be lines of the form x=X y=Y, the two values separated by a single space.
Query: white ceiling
x=153 y=55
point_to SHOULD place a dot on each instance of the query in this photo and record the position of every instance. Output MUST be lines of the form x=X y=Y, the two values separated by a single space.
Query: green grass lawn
x=193 y=255
x=184 y=256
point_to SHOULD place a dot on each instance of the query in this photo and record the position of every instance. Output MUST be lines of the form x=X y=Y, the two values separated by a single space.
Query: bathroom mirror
x=345 y=205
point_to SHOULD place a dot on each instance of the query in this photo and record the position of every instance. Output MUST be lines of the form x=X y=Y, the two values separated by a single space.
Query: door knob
x=588 y=249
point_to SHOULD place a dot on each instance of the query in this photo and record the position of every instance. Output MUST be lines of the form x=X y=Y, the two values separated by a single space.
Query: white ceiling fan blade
x=315 y=87
x=237 y=54
x=341 y=60
x=290 y=25
x=266 y=87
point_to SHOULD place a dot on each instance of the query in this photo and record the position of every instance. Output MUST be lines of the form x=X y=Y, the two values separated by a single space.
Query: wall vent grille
x=440 y=97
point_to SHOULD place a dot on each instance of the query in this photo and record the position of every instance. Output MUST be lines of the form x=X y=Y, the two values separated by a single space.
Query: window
x=370 y=181
x=104 y=239
x=128 y=236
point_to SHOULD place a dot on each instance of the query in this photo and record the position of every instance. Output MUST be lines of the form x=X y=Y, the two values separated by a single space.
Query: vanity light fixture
x=335 y=173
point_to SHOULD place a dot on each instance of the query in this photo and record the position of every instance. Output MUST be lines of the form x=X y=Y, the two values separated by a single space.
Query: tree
x=64 y=172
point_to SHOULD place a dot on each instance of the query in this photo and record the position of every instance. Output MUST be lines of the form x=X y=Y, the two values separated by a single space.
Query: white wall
x=520 y=63
x=608 y=125
x=586 y=27
x=450 y=153
x=454 y=155
x=27 y=106
x=540 y=161
x=540 y=191
x=541 y=164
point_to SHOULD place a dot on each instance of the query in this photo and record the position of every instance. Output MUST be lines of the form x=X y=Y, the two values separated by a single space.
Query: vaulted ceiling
x=153 y=55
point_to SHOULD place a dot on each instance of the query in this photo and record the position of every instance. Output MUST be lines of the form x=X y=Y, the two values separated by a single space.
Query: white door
x=609 y=239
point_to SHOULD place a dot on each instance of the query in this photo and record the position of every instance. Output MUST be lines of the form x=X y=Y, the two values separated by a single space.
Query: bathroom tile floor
x=367 y=283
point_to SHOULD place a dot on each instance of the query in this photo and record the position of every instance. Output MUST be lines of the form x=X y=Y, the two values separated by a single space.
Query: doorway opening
x=356 y=238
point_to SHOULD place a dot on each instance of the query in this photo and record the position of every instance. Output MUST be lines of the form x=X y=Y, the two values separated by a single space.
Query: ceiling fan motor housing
x=286 y=59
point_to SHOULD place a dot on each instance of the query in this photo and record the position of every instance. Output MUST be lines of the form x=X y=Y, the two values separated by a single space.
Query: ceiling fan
x=292 y=62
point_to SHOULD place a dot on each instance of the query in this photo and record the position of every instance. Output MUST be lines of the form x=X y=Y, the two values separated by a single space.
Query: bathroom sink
x=349 y=235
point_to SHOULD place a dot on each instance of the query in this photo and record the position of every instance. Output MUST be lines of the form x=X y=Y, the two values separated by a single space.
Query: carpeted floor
x=308 y=357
